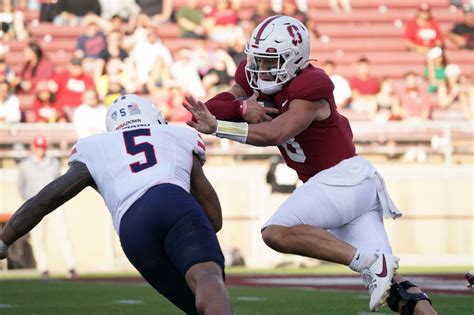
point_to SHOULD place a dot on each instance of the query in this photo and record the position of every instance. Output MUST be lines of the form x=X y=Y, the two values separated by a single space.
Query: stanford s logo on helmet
x=282 y=44
x=132 y=111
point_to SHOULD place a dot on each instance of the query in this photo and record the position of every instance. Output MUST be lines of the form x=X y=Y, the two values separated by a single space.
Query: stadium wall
x=436 y=229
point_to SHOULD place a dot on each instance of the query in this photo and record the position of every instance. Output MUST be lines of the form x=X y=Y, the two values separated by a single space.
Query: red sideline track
x=432 y=283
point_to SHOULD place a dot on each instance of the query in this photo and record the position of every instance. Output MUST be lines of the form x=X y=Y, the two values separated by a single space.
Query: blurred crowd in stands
x=120 y=52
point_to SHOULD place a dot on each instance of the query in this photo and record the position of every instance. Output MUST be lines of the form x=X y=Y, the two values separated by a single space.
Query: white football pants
x=351 y=213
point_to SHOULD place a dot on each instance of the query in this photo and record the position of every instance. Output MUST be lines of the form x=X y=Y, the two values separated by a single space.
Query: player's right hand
x=205 y=121
x=3 y=250
x=256 y=113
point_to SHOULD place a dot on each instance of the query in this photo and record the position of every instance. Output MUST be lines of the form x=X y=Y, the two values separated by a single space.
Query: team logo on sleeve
x=114 y=116
x=133 y=109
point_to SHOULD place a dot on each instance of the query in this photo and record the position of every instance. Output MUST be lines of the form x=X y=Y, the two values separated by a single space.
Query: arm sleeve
x=224 y=106
x=48 y=199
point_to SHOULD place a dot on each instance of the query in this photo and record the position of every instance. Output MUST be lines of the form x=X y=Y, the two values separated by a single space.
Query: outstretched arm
x=205 y=194
x=276 y=132
x=48 y=199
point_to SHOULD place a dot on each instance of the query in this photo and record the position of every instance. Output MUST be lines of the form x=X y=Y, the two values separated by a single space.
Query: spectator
x=185 y=72
x=9 y=105
x=174 y=104
x=221 y=23
x=453 y=96
x=387 y=104
x=277 y=5
x=72 y=83
x=44 y=108
x=159 y=10
x=116 y=71
x=92 y=43
x=263 y=9
x=48 y=10
x=115 y=90
x=189 y=18
x=113 y=49
x=146 y=53
x=364 y=87
x=423 y=32
x=66 y=18
x=342 y=89
x=202 y=56
x=337 y=5
x=221 y=73
x=434 y=71
x=462 y=34
x=415 y=102
x=116 y=24
x=89 y=117
x=122 y=8
x=12 y=21
x=79 y=8
x=138 y=26
x=415 y=106
x=236 y=50
x=6 y=72
x=34 y=173
x=160 y=78
x=37 y=68
x=290 y=8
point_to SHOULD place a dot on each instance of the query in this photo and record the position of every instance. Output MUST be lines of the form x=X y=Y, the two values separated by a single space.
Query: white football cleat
x=378 y=279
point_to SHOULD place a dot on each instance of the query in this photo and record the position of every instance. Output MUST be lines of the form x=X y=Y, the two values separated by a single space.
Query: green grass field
x=65 y=297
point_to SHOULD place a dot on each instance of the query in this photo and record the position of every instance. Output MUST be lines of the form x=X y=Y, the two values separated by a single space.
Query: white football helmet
x=282 y=44
x=132 y=111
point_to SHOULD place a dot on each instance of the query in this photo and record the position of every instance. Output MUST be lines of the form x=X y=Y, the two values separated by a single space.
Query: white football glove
x=3 y=250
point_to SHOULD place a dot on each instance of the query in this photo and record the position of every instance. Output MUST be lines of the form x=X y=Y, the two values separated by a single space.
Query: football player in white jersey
x=162 y=205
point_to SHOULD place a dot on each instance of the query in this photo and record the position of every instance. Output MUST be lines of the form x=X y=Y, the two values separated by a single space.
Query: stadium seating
x=374 y=29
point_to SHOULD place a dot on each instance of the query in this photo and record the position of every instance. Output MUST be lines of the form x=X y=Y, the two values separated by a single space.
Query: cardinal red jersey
x=324 y=143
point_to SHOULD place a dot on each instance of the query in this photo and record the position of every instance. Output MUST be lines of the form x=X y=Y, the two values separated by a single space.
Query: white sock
x=362 y=260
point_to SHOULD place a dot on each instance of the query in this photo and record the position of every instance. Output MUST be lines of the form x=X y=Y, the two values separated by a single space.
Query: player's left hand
x=205 y=121
x=3 y=250
x=257 y=112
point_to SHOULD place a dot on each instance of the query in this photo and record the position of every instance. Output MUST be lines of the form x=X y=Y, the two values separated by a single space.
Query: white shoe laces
x=369 y=280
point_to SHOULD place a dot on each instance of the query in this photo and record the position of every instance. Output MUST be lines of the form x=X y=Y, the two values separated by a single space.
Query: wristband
x=242 y=107
x=231 y=130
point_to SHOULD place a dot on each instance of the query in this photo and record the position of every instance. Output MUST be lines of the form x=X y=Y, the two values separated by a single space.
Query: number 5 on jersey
x=145 y=147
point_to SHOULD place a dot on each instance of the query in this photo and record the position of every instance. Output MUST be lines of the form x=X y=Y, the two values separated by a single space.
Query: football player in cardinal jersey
x=337 y=214
x=162 y=205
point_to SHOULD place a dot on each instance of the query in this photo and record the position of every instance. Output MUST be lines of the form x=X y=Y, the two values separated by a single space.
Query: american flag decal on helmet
x=133 y=109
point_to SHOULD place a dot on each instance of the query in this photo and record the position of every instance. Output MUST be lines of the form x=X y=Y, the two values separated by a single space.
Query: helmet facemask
x=268 y=72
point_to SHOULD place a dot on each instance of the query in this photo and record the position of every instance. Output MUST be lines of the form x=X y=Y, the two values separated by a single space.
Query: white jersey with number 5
x=126 y=163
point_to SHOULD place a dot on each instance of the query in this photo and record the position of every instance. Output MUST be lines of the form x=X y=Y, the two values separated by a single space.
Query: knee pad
x=398 y=292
